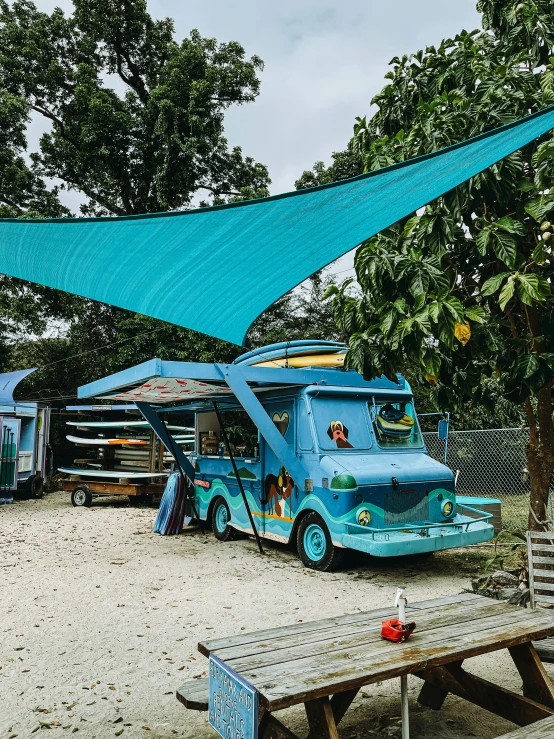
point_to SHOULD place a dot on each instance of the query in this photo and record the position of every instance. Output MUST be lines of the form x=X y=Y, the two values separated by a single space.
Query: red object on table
x=396 y=630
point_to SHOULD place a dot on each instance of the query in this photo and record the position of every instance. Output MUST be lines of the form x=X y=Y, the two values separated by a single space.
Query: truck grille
x=406 y=507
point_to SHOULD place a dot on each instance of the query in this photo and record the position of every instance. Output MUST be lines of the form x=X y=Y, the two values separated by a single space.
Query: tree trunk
x=540 y=458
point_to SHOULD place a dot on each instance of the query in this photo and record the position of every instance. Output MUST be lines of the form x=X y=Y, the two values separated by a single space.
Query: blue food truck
x=292 y=447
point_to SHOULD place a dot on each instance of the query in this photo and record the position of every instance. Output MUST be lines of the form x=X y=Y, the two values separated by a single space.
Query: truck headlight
x=447 y=508
x=364 y=518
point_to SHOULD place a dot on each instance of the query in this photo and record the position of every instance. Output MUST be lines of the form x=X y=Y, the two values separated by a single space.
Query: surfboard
x=110 y=474
x=123 y=425
x=310 y=360
x=104 y=442
x=290 y=348
x=300 y=351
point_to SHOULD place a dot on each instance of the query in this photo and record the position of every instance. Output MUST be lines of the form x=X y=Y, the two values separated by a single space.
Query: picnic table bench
x=541 y=730
x=323 y=664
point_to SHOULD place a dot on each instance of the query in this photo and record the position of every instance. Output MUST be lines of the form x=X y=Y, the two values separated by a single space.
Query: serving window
x=241 y=432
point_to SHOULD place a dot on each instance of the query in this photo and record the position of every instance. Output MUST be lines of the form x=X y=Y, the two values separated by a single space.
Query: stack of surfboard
x=122 y=448
x=297 y=354
x=394 y=422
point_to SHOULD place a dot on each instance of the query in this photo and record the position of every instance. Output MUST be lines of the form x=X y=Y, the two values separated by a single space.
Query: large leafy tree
x=136 y=125
x=461 y=290
x=24 y=309
x=137 y=117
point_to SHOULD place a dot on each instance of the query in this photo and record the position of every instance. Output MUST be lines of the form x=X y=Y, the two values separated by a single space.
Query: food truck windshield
x=395 y=424
x=344 y=424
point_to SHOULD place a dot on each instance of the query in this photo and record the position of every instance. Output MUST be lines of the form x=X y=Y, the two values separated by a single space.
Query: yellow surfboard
x=308 y=360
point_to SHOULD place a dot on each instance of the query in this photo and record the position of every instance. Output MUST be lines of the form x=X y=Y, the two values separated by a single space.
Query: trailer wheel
x=220 y=521
x=34 y=487
x=141 y=500
x=81 y=496
x=315 y=547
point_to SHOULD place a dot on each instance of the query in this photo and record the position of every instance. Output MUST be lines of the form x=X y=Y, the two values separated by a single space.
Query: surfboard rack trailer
x=117 y=455
x=84 y=490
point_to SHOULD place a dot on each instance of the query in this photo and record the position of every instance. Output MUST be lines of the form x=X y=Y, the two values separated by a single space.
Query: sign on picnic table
x=233 y=703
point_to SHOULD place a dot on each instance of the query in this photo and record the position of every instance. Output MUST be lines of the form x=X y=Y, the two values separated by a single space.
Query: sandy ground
x=100 y=618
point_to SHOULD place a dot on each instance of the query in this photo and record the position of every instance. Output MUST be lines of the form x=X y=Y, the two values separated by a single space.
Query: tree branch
x=215 y=191
x=5 y=199
x=111 y=207
x=533 y=322
x=135 y=80
x=56 y=120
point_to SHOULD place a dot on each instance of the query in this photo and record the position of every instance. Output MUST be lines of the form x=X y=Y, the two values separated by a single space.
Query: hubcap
x=221 y=518
x=315 y=543
x=80 y=497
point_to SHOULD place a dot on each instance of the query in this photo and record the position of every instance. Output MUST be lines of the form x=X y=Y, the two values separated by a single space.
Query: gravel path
x=100 y=619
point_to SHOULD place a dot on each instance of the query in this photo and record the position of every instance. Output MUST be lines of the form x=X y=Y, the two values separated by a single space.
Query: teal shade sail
x=216 y=269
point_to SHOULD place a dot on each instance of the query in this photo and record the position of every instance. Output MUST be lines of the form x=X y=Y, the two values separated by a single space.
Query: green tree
x=462 y=289
x=137 y=125
x=347 y=163
x=300 y=314
x=152 y=139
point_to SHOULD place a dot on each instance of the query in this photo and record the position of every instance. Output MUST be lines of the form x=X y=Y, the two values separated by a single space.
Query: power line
x=75 y=356
x=105 y=346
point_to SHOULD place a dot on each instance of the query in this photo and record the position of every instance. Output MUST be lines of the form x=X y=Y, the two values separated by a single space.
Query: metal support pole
x=404 y=707
x=239 y=481
x=446 y=440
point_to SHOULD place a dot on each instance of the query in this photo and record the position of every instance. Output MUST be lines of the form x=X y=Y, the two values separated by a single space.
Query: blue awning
x=216 y=269
x=8 y=382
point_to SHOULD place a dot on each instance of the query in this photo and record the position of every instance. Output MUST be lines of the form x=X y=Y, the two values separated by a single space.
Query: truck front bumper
x=396 y=543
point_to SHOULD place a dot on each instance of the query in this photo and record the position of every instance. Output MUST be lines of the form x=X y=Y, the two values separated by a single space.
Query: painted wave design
x=312 y=502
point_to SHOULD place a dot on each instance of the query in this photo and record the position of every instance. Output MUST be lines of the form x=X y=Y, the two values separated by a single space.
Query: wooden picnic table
x=323 y=664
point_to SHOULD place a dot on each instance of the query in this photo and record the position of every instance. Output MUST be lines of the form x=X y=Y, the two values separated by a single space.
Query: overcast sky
x=324 y=61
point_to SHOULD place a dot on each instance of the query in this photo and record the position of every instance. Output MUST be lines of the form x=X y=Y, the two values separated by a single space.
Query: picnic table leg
x=270 y=727
x=536 y=683
x=340 y=703
x=512 y=706
x=321 y=719
x=433 y=696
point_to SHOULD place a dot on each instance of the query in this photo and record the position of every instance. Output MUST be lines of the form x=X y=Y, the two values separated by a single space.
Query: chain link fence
x=491 y=464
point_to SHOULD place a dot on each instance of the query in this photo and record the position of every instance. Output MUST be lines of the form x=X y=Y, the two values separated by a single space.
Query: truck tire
x=34 y=487
x=220 y=521
x=315 y=547
x=81 y=496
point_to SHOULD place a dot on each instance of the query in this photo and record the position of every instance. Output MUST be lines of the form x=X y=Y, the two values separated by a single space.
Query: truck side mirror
x=443 y=429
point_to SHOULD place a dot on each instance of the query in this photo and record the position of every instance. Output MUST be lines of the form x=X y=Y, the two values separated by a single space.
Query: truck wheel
x=220 y=521
x=34 y=487
x=315 y=548
x=81 y=496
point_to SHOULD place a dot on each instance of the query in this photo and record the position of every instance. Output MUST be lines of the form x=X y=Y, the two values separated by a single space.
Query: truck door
x=280 y=496
x=41 y=447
